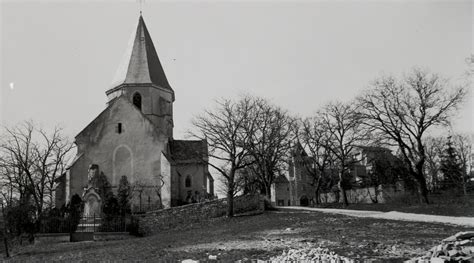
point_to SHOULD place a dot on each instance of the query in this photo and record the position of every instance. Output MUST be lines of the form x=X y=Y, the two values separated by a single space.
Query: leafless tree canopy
x=463 y=145
x=343 y=122
x=226 y=129
x=316 y=139
x=402 y=111
x=30 y=161
x=270 y=142
x=433 y=149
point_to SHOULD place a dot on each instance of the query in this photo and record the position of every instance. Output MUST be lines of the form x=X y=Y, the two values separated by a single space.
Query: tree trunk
x=434 y=176
x=268 y=190
x=342 y=190
x=230 y=195
x=316 y=192
x=375 y=198
x=464 y=188
x=422 y=189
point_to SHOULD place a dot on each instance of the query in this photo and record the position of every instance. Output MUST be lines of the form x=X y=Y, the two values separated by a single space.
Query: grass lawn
x=259 y=237
x=440 y=206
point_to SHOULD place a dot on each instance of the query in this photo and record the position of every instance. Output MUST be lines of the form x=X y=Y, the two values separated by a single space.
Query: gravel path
x=393 y=215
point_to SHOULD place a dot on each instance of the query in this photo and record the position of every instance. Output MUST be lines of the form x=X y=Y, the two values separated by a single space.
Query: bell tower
x=142 y=80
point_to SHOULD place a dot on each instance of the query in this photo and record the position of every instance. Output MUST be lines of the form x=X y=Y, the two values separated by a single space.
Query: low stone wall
x=106 y=236
x=381 y=194
x=52 y=238
x=169 y=218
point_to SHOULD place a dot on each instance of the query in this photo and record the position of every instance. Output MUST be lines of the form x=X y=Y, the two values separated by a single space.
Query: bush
x=123 y=195
x=133 y=227
x=268 y=205
x=74 y=212
x=20 y=219
x=405 y=199
x=57 y=225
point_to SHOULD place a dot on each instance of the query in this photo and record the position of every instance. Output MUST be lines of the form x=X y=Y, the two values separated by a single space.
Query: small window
x=187 y=183
x=137 y=100
x=119 y=128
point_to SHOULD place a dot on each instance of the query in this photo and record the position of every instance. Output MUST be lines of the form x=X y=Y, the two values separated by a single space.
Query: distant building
x=133 y=137
x=297 y=188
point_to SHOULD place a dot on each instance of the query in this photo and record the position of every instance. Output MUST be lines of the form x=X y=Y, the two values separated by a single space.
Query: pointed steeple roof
x=140 y=64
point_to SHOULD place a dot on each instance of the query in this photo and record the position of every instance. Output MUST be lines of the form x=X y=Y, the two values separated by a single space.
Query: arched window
x=187 y=182
x=137 y=100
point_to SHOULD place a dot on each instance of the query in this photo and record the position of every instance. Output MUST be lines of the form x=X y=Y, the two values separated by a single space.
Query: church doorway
x=304 y=201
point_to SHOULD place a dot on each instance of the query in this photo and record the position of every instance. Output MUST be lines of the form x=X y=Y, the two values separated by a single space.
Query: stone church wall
x=135 y=152
x=281 y=194
x=166 y=176
x=153 y=222
x=158 y=107
x=197 y=173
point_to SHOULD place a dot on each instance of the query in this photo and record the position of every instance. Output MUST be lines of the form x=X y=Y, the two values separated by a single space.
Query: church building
x=133 y=137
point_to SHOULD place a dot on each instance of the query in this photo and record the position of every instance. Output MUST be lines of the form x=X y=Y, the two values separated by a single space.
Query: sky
x=59 y=57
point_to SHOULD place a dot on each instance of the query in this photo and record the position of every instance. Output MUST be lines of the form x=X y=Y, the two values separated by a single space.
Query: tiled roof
x=184 y=150
x=140 y=64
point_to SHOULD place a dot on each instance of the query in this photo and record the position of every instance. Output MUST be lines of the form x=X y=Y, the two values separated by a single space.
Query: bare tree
x=434 y=148
x=157 y=187
x=315 y=138
x=343 y=122
x=269 y=143
x=240 y=183
x=31 y=160
x=138 y=187
x=402 y=111
x=463 y=144
x=16 y=157
x=52 y=157
x=228 y=130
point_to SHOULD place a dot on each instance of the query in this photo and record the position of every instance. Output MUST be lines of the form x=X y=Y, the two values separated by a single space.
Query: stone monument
x=92 y=200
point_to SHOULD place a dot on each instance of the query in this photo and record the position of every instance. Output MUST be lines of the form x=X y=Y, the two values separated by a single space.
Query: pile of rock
x=457 y=248
x=310 y=255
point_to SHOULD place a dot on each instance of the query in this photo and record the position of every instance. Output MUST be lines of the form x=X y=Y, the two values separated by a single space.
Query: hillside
x=260 y=237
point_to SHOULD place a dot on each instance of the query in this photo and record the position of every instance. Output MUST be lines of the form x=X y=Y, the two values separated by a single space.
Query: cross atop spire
x=141 y=2
x=140 y=64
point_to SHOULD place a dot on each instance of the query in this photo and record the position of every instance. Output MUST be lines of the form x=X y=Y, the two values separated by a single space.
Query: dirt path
x=393 y=215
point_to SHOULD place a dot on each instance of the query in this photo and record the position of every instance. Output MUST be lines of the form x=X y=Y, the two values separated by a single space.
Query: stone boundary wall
x=106 y=236
x=383 y=194
x=52 y=238
x=154 y=221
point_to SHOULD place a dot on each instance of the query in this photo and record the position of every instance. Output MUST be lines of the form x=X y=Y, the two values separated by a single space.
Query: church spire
x=140 y=64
